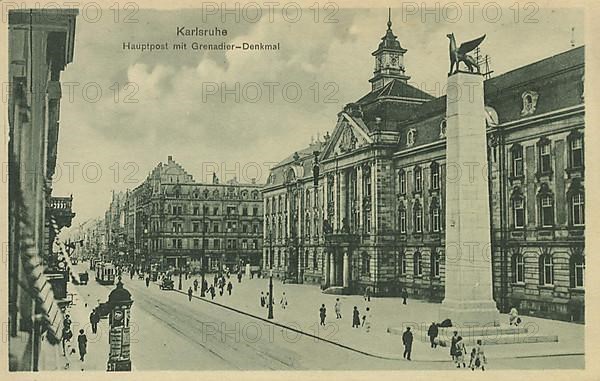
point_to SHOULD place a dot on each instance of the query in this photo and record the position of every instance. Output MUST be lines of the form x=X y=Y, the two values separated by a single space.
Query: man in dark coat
x=195 y=285
x=229 y=287
x=82 y=342
x=94 y=320
x=322 y=313
x=407 y=339
x=239 y=276
x=432 y=332
x=190 y=292
x=355 y=318
x=147 y=281
x=404 y=295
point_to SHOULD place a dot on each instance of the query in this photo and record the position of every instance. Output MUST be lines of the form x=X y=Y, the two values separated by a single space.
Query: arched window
x=315 y=260
x=435 y=265
x=544 y=156
x=417 y=264
x=443 y=125
x=410 y=137
x=366 y=263
x=546 y=273
x=577 y=270
x=279 y=258
x=518 y=268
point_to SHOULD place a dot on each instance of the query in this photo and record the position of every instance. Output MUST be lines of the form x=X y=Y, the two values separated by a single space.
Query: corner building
x=365 y=207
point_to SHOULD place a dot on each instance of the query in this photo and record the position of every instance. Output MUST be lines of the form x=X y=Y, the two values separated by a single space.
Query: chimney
x=169 y=158
x=253 y=180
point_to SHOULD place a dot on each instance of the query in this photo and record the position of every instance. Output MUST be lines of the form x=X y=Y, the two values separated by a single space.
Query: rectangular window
x=548 y=271
x=402 y=181
x=215 y=227
x=254 y=244
x=196 y=227
x=216 y=243
x=231 y=210
x=403 y=221
x=517 y=161
x=577 y=152
x=519 y=269
x=518 y=213
x=418 y=180
x=196 y=243
x=244 y=244
x=255 y=211
x=435 y=219
x=435 y=266
x=205 y=243
x=547 y=211
x=403 y=264
x=578 y=209
x=244 y=211
x=215 y=210
x=545 y=159
x=244 y=228
x=579 y=273
x=435 y=177
x=196 y=210
x=418 y=220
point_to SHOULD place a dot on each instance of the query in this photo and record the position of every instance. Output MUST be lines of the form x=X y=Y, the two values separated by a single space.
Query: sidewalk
x=97 y=353
x=302 y=313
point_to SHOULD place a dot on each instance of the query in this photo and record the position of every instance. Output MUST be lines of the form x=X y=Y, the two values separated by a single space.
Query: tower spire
x=389 y=23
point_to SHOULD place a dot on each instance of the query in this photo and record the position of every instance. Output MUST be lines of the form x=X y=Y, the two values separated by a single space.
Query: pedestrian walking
x=215 y=279
x=212 y=291
x=322 y=314
x=338 y=308
x=472 y=361
x=147 y=281
x=355 y=318
x=68 y=353
x=67 y=321
x=404 y=295
x=66 y=338
x=367 y=320
x=94 y=320
x=190 y=292
x=283 y=301
x=262 y=299
x=368 y=293
x=239 y=276
x=453 y=342
x=407 y=340
x=432 y=332
x=195 y=285
x=459 y=354
x=480 y=359
x=204 y=286
x=229 y=288
x=221 y=289
x=82 y=343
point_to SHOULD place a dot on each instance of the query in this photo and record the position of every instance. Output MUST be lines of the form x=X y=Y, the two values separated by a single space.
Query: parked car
x=83 y=278
x=167 y=284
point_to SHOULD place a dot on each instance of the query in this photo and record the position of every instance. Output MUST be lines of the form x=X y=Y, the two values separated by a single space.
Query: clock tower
x=389 y=59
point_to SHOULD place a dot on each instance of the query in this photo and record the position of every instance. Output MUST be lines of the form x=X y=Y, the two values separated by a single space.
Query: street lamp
x=270 y=316
x=202 y=259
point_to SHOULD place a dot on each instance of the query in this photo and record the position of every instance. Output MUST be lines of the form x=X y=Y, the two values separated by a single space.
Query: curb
x=375 y=355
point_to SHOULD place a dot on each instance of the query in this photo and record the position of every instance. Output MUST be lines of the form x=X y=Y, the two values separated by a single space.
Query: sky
x=124 y=111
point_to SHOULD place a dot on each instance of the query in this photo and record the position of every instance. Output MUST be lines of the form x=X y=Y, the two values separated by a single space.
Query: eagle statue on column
x=458 y=55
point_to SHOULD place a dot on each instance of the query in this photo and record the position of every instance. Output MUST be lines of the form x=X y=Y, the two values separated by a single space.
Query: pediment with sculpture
x=347 y=137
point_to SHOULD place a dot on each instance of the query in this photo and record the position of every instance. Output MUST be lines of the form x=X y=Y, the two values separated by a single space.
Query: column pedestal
x=332 y=280
x=346 y=281
x=468 y=283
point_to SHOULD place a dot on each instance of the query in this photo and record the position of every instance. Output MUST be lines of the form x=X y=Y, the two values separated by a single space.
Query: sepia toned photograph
x=281 y=186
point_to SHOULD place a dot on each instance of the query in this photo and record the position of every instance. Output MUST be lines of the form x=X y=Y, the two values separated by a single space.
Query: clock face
x=395 y=60
x=118 y=315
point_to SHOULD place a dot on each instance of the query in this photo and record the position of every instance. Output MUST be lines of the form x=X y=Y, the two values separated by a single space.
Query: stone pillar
x=468 y=280
x=359 y=197
x=346 y=280
x=332 y=265
x=326 y=269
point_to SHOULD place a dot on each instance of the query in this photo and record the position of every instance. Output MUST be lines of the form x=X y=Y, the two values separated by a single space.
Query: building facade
x=41 y=44
x=173 y=221
x=365 y=208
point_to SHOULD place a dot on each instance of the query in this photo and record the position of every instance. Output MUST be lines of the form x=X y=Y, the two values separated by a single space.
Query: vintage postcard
x=290 y=186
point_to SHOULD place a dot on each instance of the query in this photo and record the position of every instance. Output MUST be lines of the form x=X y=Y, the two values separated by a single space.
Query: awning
x=50 y=315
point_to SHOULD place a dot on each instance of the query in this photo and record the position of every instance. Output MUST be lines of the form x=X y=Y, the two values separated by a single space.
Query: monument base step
x=335 y=290
x=487 y=335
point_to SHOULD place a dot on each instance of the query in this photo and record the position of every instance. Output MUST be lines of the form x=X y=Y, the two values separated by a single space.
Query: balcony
x=60 y=209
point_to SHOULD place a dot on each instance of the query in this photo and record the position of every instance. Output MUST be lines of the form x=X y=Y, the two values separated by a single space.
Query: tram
x=105 y=273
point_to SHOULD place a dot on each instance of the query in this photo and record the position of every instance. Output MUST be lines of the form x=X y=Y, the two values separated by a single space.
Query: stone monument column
x=346 y=270
x=468 y=282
